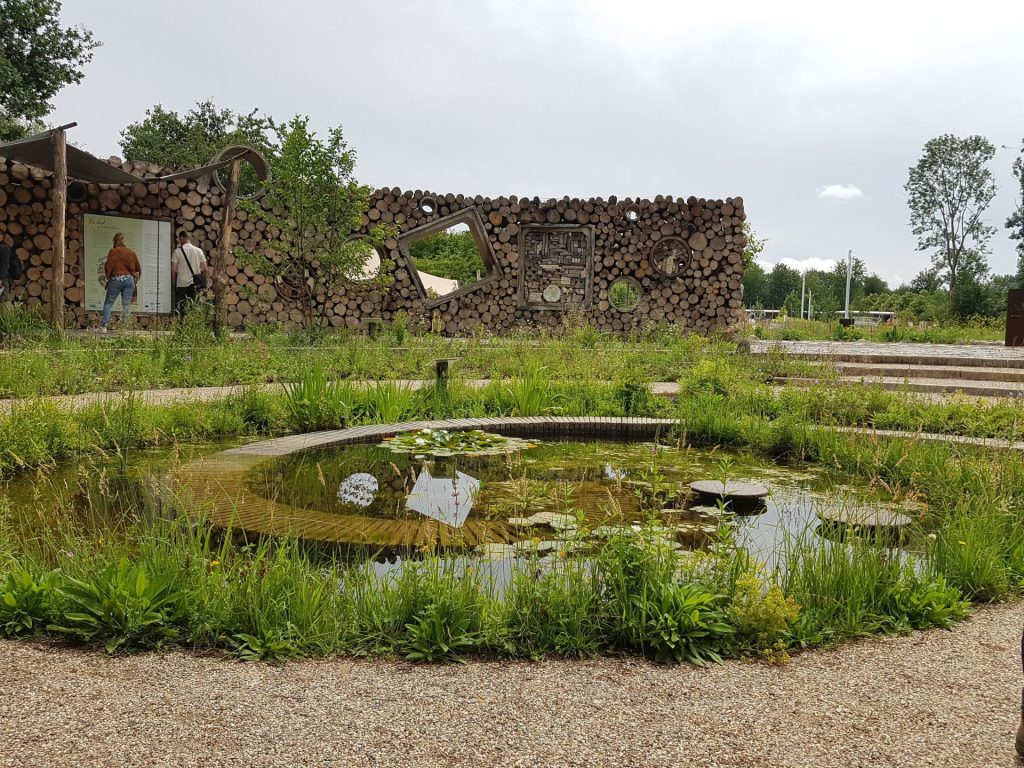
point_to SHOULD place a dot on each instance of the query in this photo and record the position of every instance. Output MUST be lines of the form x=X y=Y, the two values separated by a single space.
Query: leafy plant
x=389 y=401
x=317 y=402
x=441 y=442
x=122 y=605
x=24 y=603
x=532 y=393
x=272 y=645
x=683 y=622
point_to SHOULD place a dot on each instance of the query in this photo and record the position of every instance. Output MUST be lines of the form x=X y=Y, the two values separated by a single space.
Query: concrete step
x=880 y=358
x=934 y=386
x=972 y=373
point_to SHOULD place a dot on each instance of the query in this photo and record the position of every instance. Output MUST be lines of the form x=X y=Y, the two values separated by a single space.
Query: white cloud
x=801 y=265
x=839 y=192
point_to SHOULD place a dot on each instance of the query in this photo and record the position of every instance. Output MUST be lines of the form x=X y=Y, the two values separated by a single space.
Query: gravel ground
x=930 y=699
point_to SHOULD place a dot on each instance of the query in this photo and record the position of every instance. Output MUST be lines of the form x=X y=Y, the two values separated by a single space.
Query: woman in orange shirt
x=123 y=271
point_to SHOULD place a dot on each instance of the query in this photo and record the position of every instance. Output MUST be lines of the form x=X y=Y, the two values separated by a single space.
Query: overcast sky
x=811 y=114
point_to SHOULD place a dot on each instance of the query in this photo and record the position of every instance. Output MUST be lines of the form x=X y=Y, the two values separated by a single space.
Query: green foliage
x=441 y=442
x=532 y=393
x=180 y=141
x=633 y=394
x=761 y=613
x=24 y=602
x=388 y=402
x=38 y=57
x=317 y=402
x=452 y=255
x=949 y=190
x=682 y=622
x=317 y=204
x=1015 y=222
x=122 y=605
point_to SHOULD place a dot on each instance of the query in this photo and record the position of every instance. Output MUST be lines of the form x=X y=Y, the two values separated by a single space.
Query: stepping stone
x=707 y=511
x=521 y=522
x=739 y=490
x=556 y=520
x=864 y=517
x=497 y=550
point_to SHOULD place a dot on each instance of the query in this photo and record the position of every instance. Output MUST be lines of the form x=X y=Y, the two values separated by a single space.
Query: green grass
x=156 y=583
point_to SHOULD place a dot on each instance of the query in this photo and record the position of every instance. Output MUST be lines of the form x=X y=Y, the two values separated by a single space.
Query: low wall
x=545 y=258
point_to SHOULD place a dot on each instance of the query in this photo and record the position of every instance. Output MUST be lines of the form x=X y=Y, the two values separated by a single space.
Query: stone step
x=935 y=386
x=972 y=373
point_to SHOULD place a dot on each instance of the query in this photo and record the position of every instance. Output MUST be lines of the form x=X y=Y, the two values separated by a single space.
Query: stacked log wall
x=615 y=241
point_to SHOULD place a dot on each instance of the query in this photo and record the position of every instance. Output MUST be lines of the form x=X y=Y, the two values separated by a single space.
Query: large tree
x=38 y=57
x=948 y=192
x=1016 y=221
x=168 y=138
x=317 y=205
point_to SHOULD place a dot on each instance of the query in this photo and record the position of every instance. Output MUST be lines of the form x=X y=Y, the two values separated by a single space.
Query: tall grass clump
x=316 y=401
x=388 y=402
x=532 y=394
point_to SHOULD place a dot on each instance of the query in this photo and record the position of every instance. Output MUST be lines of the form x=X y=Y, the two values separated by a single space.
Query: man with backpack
x=188 y=272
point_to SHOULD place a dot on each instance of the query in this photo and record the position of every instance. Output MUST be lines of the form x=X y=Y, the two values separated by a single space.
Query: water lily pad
x=441 y=443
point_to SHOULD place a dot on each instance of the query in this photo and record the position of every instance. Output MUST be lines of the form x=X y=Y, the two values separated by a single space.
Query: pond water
x=544 y=495
x=532 y=500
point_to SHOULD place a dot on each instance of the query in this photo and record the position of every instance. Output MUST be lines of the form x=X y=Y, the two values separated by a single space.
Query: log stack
x=704 y=296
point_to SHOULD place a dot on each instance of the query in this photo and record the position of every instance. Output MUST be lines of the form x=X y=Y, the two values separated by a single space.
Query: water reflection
x=358 y=489
x=445 y=499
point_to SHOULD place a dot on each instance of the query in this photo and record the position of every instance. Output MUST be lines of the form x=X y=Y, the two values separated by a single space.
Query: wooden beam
x=60 y=195
x=223 y=247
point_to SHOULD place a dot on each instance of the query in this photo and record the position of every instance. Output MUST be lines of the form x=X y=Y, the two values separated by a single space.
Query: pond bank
x=935 y=698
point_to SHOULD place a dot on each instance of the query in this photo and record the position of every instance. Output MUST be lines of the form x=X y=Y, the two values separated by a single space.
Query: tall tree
x=1016 y=221
x=317 y=205
x=782 y=281
x=167 y=138
x=38 y=57
x=948 y=192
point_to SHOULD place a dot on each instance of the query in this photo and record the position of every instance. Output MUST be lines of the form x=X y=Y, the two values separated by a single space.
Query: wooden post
x=224 y=244
x=60 y=194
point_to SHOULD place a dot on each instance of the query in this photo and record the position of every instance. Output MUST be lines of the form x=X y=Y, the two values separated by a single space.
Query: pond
x=372 y=500
x=544 y=495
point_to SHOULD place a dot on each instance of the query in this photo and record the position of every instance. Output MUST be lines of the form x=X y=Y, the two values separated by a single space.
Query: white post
x=810 y=305
x=803 y=284
x=849 y=274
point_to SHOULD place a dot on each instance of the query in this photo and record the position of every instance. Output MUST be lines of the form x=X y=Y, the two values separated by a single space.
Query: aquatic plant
x=442 y=442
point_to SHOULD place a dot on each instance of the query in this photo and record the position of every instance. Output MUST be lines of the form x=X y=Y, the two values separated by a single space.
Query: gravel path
x=930 y=699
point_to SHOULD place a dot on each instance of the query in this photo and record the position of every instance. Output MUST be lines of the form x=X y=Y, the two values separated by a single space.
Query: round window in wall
x=624 y=294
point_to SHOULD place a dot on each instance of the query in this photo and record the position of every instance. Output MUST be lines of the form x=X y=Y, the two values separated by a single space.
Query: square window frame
x=470 y=217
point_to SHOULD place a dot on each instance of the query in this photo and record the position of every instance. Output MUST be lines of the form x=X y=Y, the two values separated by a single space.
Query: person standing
x=188 y=268
x=123 y=271
x=10 y=270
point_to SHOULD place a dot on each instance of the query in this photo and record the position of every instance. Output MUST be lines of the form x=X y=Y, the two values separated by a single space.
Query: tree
x=948 y=192
x=782 y=281
x=166 y=138
x=755 y=284
x=38 y=57
x=1016 y=221
x=316 y=204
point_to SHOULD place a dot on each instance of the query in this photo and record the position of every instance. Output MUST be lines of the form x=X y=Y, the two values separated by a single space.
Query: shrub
x=122 y=605
x=24 y=602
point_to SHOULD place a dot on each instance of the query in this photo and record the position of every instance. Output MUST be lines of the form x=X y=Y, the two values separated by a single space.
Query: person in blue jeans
x=123 y=270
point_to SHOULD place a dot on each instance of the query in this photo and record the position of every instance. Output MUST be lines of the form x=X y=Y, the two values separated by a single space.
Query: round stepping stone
x=864 y=517
x=521 y=522
x=739 y=490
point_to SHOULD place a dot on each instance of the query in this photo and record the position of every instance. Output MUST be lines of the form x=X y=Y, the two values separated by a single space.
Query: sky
x=811 y=112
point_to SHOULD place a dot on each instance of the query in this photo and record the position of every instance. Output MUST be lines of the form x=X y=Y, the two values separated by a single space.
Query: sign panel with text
x=150 y=239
